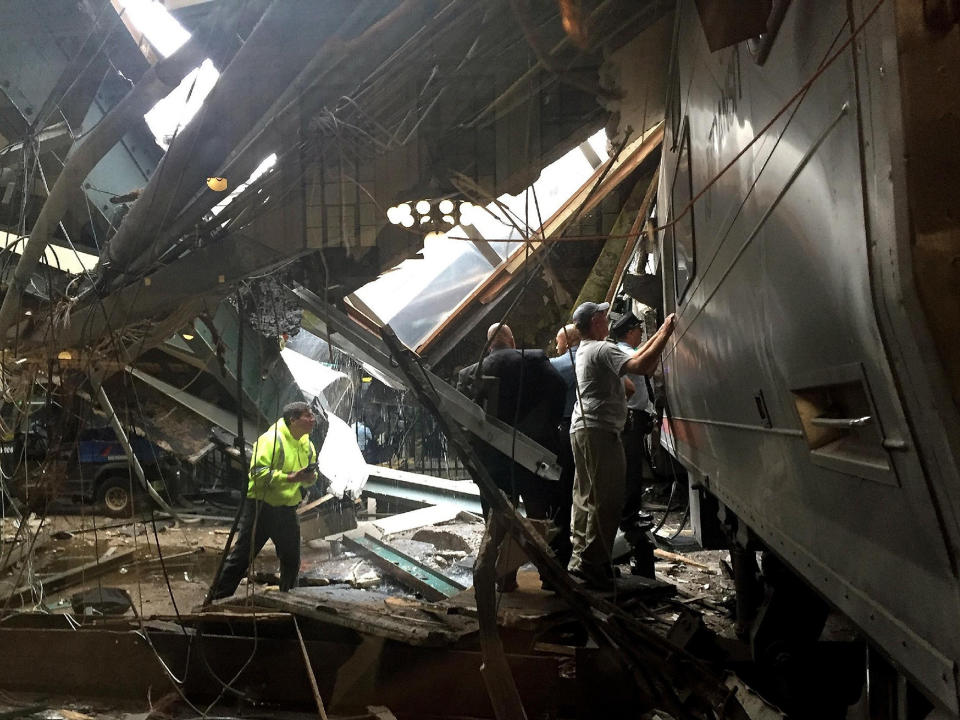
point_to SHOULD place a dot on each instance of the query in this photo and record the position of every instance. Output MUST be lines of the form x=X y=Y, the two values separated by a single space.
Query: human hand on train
x=670 y=323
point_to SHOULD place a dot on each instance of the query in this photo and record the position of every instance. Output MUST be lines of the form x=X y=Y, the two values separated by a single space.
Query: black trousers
x=633 y=437
x=543 y=499
x=258 y=523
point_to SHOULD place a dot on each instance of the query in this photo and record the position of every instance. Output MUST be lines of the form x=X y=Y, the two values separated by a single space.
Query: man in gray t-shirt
x=598 y=419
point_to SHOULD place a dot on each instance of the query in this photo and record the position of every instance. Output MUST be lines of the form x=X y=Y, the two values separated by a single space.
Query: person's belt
x=639 y=420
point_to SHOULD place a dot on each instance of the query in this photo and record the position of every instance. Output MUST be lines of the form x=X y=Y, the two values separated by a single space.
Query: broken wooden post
x=310 y=675
x=495 y=670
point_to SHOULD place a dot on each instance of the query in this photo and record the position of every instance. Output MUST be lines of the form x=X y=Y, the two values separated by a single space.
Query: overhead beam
x=586 y=149
x=279 y=111
x=207 y=273
x=481 y=244
x=282 y=57
x=208 y=411
x=156 y=84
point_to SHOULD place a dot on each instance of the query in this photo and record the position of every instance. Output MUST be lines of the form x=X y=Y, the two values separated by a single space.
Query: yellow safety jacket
x=276 y=454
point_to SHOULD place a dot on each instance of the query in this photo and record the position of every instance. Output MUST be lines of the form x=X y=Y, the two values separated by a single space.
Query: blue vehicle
x=93 y=468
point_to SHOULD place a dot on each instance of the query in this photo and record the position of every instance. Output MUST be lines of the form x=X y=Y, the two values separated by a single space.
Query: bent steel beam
x=308 y=93
x=280 y=45
x=154 y=86
x=525 y=452
x=121 y=433
x=407 y=570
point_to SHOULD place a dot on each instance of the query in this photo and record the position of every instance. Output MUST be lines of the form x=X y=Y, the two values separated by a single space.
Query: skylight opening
x=156 y=23
x=450 y=269
x=171 y=114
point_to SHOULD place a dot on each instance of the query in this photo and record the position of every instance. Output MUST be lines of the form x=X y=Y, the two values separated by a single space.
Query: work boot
x=595 y=580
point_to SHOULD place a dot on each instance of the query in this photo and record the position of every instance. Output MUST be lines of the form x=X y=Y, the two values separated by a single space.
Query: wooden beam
x=61 y=581
x=630 y=246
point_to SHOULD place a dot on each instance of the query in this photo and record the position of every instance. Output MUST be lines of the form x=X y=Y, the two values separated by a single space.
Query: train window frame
x=683 y=156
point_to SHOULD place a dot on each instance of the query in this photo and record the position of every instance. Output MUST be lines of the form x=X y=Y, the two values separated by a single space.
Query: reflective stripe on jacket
x=275 y=455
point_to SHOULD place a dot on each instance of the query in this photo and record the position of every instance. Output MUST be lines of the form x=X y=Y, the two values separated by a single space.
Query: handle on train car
x=829 y=422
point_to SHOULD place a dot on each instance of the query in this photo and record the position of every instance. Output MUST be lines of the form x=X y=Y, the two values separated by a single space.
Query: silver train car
x=814 y=377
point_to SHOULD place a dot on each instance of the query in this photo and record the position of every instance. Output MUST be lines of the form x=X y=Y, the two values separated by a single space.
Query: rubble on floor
x=378 y=635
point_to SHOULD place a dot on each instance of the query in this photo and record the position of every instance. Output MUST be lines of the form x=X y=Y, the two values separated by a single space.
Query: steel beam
x=208 y=411
x=324 y=75
x=385 y=481
x=121 y=434
x=355 y=340
x=416 y=576
x=284 y=40
x=205 y=273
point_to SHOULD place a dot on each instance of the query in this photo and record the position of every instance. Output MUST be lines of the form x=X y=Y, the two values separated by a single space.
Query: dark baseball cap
x=623 y=324
x=583 y=314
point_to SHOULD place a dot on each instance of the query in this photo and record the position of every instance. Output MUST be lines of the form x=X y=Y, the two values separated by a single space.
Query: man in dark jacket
x=529 y=395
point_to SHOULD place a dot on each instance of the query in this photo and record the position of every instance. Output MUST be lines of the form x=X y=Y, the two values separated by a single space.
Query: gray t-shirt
x=640 y=400
x=602 y=404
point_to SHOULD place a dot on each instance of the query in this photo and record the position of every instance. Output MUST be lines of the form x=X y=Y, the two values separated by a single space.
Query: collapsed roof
x=365 y=106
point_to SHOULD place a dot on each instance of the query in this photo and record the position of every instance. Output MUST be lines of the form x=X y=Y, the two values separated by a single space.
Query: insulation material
x=341 y=461
x=316 y=379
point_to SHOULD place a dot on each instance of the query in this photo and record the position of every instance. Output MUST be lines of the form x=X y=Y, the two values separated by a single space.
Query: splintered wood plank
x=368 y=612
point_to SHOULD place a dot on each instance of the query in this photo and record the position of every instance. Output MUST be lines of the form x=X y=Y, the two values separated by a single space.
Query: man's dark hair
x=294 y=410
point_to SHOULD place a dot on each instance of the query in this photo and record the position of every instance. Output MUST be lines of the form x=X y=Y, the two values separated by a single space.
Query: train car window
x=682 y=230
x=672 y=111
x=760 y=46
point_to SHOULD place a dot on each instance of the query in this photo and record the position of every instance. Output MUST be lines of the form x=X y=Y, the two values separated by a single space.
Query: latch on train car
x=839 y=420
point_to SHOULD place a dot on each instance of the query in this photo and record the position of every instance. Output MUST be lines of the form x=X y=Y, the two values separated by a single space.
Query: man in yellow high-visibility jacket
x=283 y=461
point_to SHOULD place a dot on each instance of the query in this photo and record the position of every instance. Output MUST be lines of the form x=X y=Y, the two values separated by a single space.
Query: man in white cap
x=598 y=420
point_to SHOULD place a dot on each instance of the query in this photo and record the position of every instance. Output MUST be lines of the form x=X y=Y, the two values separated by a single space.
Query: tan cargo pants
x=598 y=496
